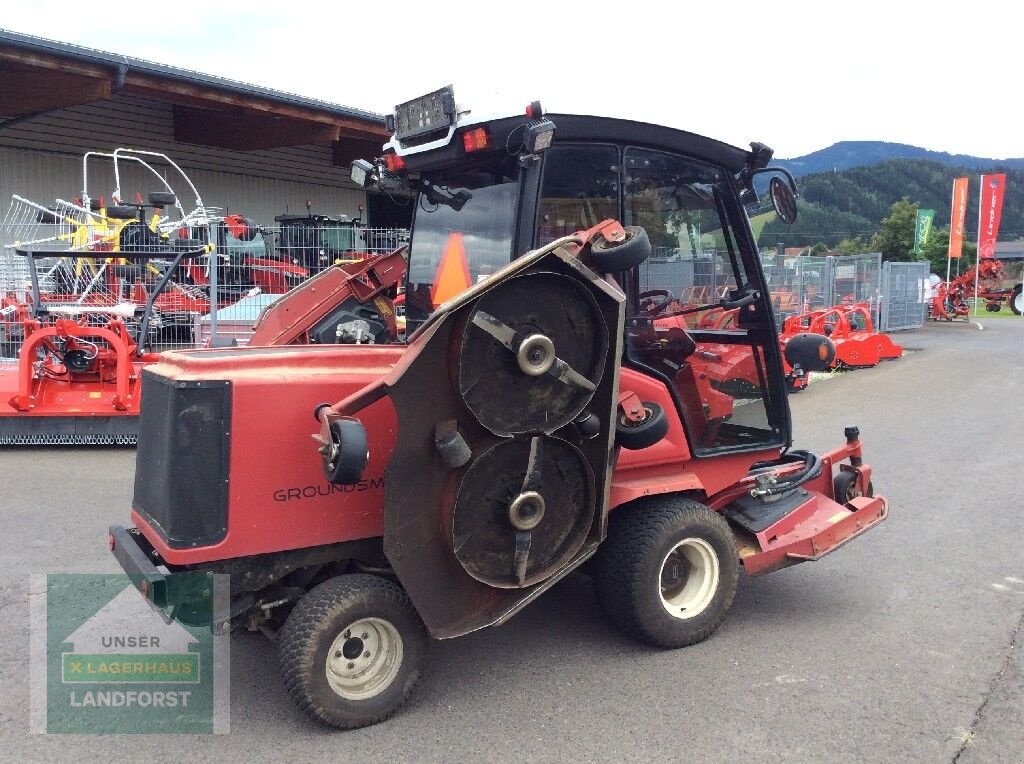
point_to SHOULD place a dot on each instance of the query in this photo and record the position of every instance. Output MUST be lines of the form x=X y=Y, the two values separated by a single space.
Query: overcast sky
x=798 y=76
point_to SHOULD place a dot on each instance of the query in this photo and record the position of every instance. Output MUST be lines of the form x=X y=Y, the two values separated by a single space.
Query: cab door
x=703 y=279
x=721 y=364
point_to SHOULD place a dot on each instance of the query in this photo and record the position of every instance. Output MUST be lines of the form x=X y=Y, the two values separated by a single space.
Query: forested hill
x=851 y=203
x=847 y=154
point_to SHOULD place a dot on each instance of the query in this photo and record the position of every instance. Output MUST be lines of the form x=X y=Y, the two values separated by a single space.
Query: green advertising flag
x=924 y=227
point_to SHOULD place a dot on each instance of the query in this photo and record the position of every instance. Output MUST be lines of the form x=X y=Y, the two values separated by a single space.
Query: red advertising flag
x=956 y=218
x=992 y=187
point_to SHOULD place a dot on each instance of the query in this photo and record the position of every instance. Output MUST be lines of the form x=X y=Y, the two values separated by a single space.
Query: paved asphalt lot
x=906 y=645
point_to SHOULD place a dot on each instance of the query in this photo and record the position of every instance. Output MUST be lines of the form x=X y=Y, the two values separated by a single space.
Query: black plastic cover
x=181 y=466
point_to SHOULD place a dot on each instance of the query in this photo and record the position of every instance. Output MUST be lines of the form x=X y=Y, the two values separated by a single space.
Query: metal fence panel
x=904 y=296
x=251 y=268
x=801 y=284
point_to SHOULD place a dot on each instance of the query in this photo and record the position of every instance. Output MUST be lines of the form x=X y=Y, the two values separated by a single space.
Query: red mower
x=851 y=329
x=540 y=414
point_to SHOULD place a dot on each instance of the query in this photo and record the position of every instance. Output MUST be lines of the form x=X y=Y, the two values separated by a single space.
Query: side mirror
x=810 y=352
x=783 y=199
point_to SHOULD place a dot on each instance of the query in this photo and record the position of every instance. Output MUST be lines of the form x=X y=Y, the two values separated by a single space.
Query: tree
x=895 y=239
x=935 y=250
x=855 y=246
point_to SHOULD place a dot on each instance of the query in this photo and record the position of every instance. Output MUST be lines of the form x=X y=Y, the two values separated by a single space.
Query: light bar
x=431 y=113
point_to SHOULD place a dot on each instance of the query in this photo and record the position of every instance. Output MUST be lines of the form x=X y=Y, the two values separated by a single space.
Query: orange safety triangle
x=452 y=277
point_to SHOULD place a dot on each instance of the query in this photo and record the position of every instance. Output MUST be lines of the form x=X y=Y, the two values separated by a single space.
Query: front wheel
x=1017 y=300
x=352 y=650
x=667 y=573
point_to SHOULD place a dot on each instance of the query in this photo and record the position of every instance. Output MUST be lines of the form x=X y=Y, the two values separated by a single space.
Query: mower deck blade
x=68 y=430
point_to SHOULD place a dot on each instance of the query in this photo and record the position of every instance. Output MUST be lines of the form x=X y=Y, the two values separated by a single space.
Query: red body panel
x=284 y=501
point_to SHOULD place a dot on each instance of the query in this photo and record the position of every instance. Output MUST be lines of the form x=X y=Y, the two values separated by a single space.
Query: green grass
x=1004 y=311
x=758 y=222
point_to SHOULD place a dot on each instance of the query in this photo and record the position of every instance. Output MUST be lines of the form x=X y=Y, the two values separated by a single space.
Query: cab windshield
x=462 y=233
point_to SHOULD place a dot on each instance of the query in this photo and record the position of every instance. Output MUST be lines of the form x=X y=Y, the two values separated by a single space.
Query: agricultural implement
x=851 y=329
x=951 y=298
x=567 y=419
x=98 y=289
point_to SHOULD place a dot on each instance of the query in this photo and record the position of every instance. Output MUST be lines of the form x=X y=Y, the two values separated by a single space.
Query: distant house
x=1010 y=250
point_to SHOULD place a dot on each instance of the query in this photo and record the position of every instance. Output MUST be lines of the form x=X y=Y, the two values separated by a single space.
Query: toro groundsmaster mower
x=552 y=404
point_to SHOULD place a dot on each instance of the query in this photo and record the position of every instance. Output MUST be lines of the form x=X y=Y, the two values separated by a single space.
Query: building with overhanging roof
x=249 y=149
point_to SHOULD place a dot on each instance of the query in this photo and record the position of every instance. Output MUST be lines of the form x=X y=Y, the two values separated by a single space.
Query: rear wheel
x=1017 y=300
x=352 y=650
x=667 y=573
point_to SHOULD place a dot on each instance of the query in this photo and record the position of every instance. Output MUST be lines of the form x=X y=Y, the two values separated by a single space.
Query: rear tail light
x=393 y=162
x=476 y=140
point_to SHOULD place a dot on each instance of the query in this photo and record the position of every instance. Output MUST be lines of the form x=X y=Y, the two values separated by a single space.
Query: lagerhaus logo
x=104 y=660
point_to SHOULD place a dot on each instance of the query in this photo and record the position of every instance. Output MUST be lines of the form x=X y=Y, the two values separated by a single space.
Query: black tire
x=992 y=307
x=637 y=435
x=615 y=257
x=188 y=245
x=345 y=465
x=318 y=624
x=1016 y=301
x=632 y=564
x=161 y=199
x=844 y=487
x=122 y=212
x=249 y=229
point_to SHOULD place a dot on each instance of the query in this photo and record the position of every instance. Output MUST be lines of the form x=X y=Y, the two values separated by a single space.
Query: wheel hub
x=364 y=659
x=689 y=578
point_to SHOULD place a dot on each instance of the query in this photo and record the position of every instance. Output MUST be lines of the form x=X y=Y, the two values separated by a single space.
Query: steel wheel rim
x=364 y=659
x=1018 y=301
x=688 y=578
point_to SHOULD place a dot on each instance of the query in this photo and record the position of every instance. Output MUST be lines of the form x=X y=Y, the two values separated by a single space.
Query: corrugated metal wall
x=40 y=159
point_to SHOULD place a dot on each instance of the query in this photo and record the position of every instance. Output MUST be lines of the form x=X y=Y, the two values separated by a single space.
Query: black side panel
x=181 y=466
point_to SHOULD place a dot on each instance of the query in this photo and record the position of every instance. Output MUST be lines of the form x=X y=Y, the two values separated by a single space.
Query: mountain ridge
x=846 y=155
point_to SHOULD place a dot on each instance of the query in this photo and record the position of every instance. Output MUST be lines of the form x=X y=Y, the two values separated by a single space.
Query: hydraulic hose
x=811 y=470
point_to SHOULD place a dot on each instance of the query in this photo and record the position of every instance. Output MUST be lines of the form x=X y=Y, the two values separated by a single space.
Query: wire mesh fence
x=218 y=293
x=801 y=284
x=904 y=296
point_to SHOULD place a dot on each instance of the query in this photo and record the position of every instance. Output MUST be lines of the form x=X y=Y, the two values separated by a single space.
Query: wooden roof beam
x=25 y=91
x=246 y=131
x=186 y=94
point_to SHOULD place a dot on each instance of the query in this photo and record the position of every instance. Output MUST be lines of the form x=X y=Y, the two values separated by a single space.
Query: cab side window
x=580 y=189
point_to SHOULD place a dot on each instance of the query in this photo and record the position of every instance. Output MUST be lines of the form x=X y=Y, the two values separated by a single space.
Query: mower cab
x=570 y=388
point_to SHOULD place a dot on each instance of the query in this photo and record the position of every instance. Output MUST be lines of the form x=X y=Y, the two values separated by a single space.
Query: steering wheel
x=658 y=306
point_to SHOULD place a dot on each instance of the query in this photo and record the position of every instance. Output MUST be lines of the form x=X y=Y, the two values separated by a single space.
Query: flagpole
x=949 y=248
x=977 y=255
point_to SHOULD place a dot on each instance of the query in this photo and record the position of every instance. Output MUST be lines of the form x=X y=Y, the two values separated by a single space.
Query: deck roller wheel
x=844 y=487
x=346 y=456
x=618 y=256
x=532 y=354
